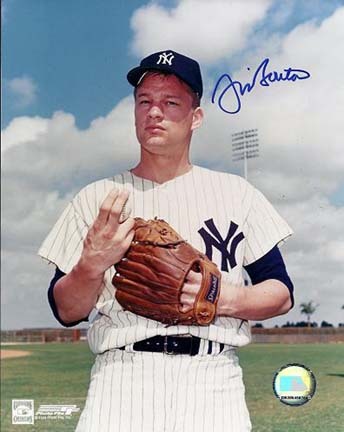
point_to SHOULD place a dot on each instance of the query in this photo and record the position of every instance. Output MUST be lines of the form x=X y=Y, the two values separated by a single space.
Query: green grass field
x=59 y=374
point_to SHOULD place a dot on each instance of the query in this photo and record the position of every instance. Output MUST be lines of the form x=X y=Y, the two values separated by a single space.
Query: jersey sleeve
x=264 y=228
x=64 y=243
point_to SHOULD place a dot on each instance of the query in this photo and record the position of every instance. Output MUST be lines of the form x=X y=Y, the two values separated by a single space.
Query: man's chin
x=155 y=142
x=155 y=147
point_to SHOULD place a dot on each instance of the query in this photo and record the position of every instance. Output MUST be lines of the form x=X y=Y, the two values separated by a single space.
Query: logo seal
x=23 y=411
x=294 y=384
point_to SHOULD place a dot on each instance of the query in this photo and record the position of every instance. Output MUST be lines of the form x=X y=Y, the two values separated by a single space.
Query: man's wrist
x=231 y=297
x=86 y=270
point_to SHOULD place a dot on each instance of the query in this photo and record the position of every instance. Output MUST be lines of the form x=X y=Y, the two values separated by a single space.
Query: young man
x=135 y=385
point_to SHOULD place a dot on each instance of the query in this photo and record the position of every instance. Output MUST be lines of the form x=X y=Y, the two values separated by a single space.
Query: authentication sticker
x=294 y=384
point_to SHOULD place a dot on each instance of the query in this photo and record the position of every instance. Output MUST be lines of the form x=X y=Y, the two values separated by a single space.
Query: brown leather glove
x=151 y=275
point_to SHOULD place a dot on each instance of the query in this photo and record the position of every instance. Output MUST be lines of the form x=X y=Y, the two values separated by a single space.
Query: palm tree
x=308 y=309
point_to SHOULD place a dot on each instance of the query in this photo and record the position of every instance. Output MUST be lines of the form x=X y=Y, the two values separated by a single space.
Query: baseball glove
x=150 y=277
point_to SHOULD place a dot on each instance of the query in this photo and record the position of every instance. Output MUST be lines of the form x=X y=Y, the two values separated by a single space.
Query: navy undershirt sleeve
x=58 y=275
x=271 y=266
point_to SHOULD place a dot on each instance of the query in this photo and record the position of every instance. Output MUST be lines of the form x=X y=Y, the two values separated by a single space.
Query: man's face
x=164 y=116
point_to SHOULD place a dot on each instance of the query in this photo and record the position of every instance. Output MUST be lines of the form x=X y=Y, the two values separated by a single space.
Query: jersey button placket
x=163 y=202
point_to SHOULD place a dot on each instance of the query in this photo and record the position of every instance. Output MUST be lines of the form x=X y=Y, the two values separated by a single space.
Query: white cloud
x=41 y=173
x=64 y=155
x=23 y=130
x=315 y=257
x=24 y=291
x=22 y=90
x=209 y=31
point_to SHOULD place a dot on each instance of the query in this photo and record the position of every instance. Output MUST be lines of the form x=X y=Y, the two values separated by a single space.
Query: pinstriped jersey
x=220 y=214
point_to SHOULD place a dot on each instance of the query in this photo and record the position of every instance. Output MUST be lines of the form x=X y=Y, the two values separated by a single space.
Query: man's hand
x=190 y=289
x=258 y=302
x=107 y=240
x=105 y=244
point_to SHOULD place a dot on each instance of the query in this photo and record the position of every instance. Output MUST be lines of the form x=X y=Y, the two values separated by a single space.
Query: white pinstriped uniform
x=135 y=391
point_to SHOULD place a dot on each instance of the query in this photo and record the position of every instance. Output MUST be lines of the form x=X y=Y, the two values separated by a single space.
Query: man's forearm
x=77 y=292
x=106 y=242
x=258 y=302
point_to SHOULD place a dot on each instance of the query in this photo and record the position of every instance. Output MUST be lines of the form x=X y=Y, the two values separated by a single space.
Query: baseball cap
x=169 y=61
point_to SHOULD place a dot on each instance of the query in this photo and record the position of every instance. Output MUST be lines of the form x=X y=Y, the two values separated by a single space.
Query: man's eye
x=143 y=102
x=172 y=103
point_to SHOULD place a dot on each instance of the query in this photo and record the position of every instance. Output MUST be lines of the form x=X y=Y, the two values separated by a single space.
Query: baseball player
x=149 y=376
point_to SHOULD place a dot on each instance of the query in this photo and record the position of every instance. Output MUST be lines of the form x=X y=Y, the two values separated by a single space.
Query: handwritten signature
x=236 y=89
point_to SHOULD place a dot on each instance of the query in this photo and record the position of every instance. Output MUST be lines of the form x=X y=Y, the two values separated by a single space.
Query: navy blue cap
x=169 y=61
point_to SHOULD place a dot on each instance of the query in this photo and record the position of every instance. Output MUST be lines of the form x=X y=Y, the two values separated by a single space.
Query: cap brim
x=134 y=76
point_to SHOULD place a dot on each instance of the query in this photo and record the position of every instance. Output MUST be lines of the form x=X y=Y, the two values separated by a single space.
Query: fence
x=294 y=335
x=42 y=335
x=290 y=335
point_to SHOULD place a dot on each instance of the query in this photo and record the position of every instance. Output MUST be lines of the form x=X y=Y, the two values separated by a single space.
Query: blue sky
x=78 y=52
x=68 y=120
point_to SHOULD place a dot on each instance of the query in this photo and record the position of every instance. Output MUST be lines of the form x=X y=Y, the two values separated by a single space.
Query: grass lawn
x=59 y=374
x=324 y=413
x=55 y=373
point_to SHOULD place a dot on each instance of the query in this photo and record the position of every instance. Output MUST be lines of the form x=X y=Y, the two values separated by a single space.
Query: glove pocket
x=155 y=294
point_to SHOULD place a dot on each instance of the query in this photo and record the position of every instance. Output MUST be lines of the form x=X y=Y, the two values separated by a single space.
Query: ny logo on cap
x=165 y=58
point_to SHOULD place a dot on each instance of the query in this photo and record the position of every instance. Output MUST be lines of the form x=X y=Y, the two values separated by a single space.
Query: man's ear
x=197 y=119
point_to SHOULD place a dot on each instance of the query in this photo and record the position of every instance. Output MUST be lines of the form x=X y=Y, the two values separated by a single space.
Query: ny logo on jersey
x=165 y=58
x=214 y=239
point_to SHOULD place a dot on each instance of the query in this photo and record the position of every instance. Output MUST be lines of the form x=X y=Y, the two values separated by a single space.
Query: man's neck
x=161 y=169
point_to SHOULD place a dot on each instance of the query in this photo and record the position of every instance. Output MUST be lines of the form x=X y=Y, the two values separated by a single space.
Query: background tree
x=308 y=309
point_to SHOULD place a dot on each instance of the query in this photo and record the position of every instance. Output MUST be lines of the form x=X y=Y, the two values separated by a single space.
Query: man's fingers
x=189 y=288
x=106 y=207
x=193 y=282
x=125 y=228
x=117 y=208
x=186 y=302
x=194 y=277
x=129 y=239
x=126 y=210
x=111 y=209
x=189 y=292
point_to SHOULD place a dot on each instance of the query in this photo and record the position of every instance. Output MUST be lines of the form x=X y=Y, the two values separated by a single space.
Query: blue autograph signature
x=261 y=76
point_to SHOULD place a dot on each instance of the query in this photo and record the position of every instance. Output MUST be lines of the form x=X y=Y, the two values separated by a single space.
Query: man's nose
x=155 y=111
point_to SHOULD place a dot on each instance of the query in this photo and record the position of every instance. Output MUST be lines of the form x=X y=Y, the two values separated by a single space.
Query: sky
x=68 y=120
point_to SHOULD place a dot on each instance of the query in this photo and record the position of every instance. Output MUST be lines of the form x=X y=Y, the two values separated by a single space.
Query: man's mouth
x=154 y=128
